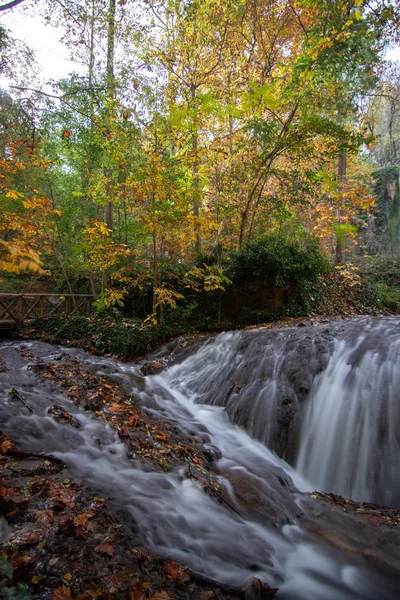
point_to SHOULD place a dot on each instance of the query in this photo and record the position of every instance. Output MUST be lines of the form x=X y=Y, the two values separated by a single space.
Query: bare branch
x=10 y=5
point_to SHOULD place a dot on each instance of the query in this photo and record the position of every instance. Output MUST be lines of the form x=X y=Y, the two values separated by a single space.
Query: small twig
x=15 y=396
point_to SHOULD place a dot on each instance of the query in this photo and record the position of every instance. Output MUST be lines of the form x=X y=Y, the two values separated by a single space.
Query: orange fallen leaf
x=6 y=445
x=175 y=571
x=114 y=407
x=61 y=593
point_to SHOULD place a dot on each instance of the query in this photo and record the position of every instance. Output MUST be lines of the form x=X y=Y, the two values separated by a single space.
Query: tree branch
x=10 y=5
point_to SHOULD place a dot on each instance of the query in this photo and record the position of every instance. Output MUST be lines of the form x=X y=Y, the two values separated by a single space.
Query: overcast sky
x=51 y=54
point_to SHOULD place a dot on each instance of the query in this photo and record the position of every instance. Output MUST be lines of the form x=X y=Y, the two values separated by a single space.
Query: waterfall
x=329 y=395
x=350 y=439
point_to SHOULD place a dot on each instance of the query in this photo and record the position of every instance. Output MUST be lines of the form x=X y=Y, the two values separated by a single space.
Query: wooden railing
x=15 y=308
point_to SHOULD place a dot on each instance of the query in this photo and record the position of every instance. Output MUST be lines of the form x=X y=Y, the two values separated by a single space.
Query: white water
x=350 y=440
x=172 y=512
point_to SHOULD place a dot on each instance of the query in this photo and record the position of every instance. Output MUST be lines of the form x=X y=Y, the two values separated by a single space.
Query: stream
x=324 y=399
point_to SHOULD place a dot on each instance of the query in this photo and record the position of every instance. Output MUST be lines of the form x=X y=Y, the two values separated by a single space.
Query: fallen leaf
x=376 y=520
x=105 y=548
x=135 y=592
x=6 y=445
x=61 y=593
x=44 y=516
x=63 y=495
x=82 y=518
x=7 y=493
x=175 y=571
x=114 y=407
x=117 y=581
x=161 y=596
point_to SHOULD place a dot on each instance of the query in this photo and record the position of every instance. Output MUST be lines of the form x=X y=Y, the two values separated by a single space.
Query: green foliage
x=380 y=269
x=7 y=590
x=342 y=230
x=281 y=257
x=103 y=334
x=382 y=274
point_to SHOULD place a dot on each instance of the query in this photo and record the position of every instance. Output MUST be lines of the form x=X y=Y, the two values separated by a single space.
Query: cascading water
x=275 y=369
x=350 y=442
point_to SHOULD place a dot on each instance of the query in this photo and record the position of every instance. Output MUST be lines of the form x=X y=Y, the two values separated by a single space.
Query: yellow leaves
x=349 y=274
x=165 y=296
x=98 y=228
x=14 y=195
x=18 y=257
x=209 y=278
x=36 y=204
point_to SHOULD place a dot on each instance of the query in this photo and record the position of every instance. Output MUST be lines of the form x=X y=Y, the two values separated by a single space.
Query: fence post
x=18 y=311
x=68 y=305
x=43 y=304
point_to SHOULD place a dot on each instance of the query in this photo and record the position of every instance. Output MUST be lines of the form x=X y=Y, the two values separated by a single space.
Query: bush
x=380 y=269
x=7 y=589
x=289 y=257
x=382 y=274
x=114 y=335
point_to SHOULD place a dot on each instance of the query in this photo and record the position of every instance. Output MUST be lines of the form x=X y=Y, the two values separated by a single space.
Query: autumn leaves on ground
x=65 y=542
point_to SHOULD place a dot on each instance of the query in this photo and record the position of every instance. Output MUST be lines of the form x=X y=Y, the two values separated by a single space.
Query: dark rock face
x=265 y=384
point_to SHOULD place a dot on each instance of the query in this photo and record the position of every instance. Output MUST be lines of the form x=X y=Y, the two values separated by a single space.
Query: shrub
x=125 y=339
x=289 y=257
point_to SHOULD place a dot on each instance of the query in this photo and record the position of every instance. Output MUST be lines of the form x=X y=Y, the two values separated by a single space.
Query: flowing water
x=264 y=538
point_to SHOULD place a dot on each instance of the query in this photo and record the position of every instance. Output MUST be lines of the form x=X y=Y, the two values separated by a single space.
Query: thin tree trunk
x=341 y=173
x=110 y=76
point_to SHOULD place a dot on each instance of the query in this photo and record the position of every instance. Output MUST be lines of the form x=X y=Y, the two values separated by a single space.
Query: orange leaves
x=115 y=407
x=175 y=571
x=63 y=495
x=62 y=593
x=6 y=445
x=7 y=493
x=133 y=419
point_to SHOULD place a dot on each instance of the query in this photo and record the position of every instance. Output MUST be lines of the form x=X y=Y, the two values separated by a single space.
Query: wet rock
x=151 y=367
x=268 y=500
x=257 y=590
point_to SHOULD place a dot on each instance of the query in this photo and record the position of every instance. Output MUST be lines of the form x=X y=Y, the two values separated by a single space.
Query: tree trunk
x=341 y=174
x=110 y=77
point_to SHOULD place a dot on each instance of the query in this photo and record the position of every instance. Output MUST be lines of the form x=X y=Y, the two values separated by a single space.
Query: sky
x=51 y=54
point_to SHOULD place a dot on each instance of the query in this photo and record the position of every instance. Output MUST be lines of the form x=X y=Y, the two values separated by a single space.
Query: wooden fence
x=15 y=308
